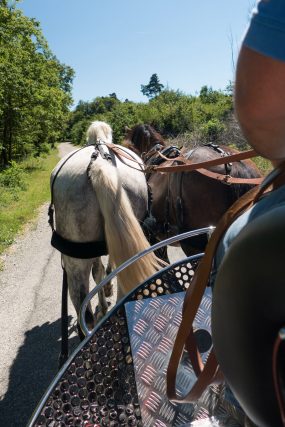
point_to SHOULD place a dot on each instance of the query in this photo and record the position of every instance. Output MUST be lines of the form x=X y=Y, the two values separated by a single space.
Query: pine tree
x=153 y=88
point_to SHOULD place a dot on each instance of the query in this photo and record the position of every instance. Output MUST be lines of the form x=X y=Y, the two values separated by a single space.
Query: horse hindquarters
x=123 y=233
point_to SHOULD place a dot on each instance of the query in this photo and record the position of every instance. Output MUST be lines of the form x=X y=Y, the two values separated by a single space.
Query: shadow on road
x=33 y=370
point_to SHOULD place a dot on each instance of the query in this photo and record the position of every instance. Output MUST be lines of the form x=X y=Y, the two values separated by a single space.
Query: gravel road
x=30 y=295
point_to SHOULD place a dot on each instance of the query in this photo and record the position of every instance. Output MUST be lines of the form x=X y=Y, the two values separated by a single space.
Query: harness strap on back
x=218 y=149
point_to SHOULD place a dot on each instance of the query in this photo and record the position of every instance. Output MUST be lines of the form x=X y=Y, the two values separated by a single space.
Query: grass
x=263 y=165
x=20 y=201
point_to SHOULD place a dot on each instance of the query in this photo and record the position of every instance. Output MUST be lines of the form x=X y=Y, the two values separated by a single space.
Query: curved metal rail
x=159 y=245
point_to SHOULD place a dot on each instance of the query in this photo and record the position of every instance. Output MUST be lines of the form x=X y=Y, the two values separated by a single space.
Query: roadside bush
x=212 y=129
x=13 y=177
x=33 y=163
x=78 y=132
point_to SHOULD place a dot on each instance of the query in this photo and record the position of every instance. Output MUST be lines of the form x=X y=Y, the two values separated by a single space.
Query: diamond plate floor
x=153 y=325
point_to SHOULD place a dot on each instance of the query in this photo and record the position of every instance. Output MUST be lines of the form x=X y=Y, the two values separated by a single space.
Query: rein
x=202 y=167
x=120 y=152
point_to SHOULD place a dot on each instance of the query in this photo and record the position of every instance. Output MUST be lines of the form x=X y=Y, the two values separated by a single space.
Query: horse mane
x=99 y=130
x=142 y=137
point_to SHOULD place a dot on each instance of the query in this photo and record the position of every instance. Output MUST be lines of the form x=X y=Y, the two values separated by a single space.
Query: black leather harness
x=80 y=250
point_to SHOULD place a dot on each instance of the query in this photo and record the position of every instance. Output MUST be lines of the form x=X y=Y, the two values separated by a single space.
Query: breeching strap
x=210 y=372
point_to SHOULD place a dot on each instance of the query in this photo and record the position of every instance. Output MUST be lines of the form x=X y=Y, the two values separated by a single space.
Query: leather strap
x=195 y=292
x=201 y=167
x=227 y=179
x=81 y=250
x=190 y=166
x=122 y=153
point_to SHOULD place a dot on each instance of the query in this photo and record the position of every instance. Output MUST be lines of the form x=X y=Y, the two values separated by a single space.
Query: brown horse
x=183 y=201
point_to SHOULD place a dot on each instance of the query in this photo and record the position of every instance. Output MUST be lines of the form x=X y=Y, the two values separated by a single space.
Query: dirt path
x=30 y=298
x=30 y=294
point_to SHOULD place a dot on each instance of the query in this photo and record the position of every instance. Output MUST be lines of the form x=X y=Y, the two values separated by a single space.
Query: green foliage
x=212 y=129
x=19 y=204
x=13 y=177
x=174 y=112
x=153 y=88
x=78 y=131
x=264 y=165
x=35 y=88
x=203 y=118
x=208 y=95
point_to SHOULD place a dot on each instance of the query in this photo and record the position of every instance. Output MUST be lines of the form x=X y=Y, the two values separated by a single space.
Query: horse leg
x=78 y=273
x=98 y=273
x=109 y=286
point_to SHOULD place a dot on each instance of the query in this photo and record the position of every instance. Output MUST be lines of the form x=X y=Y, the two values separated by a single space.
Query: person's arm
x=260 y=102
x=260 y=80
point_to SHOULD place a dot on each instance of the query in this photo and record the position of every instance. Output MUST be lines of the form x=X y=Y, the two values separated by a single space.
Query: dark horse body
x=183 y=201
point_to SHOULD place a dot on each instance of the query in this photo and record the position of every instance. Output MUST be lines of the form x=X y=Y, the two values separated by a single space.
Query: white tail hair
x=99 y=130
x=123 y=233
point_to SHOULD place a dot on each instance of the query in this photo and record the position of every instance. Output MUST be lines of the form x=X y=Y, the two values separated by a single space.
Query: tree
x=35 y=88
x=153 y=88
x=208 y=95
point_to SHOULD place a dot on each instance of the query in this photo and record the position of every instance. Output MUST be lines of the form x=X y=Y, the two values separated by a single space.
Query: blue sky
x=116 y=45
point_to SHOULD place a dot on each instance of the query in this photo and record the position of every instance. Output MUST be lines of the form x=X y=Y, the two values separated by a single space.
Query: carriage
x=117 y=376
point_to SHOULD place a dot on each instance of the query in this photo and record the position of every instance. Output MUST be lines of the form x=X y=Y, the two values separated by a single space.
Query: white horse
x=101 y=201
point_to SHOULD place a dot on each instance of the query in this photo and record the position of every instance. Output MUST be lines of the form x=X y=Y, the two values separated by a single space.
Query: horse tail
x=99 y=130
x=124 y=236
